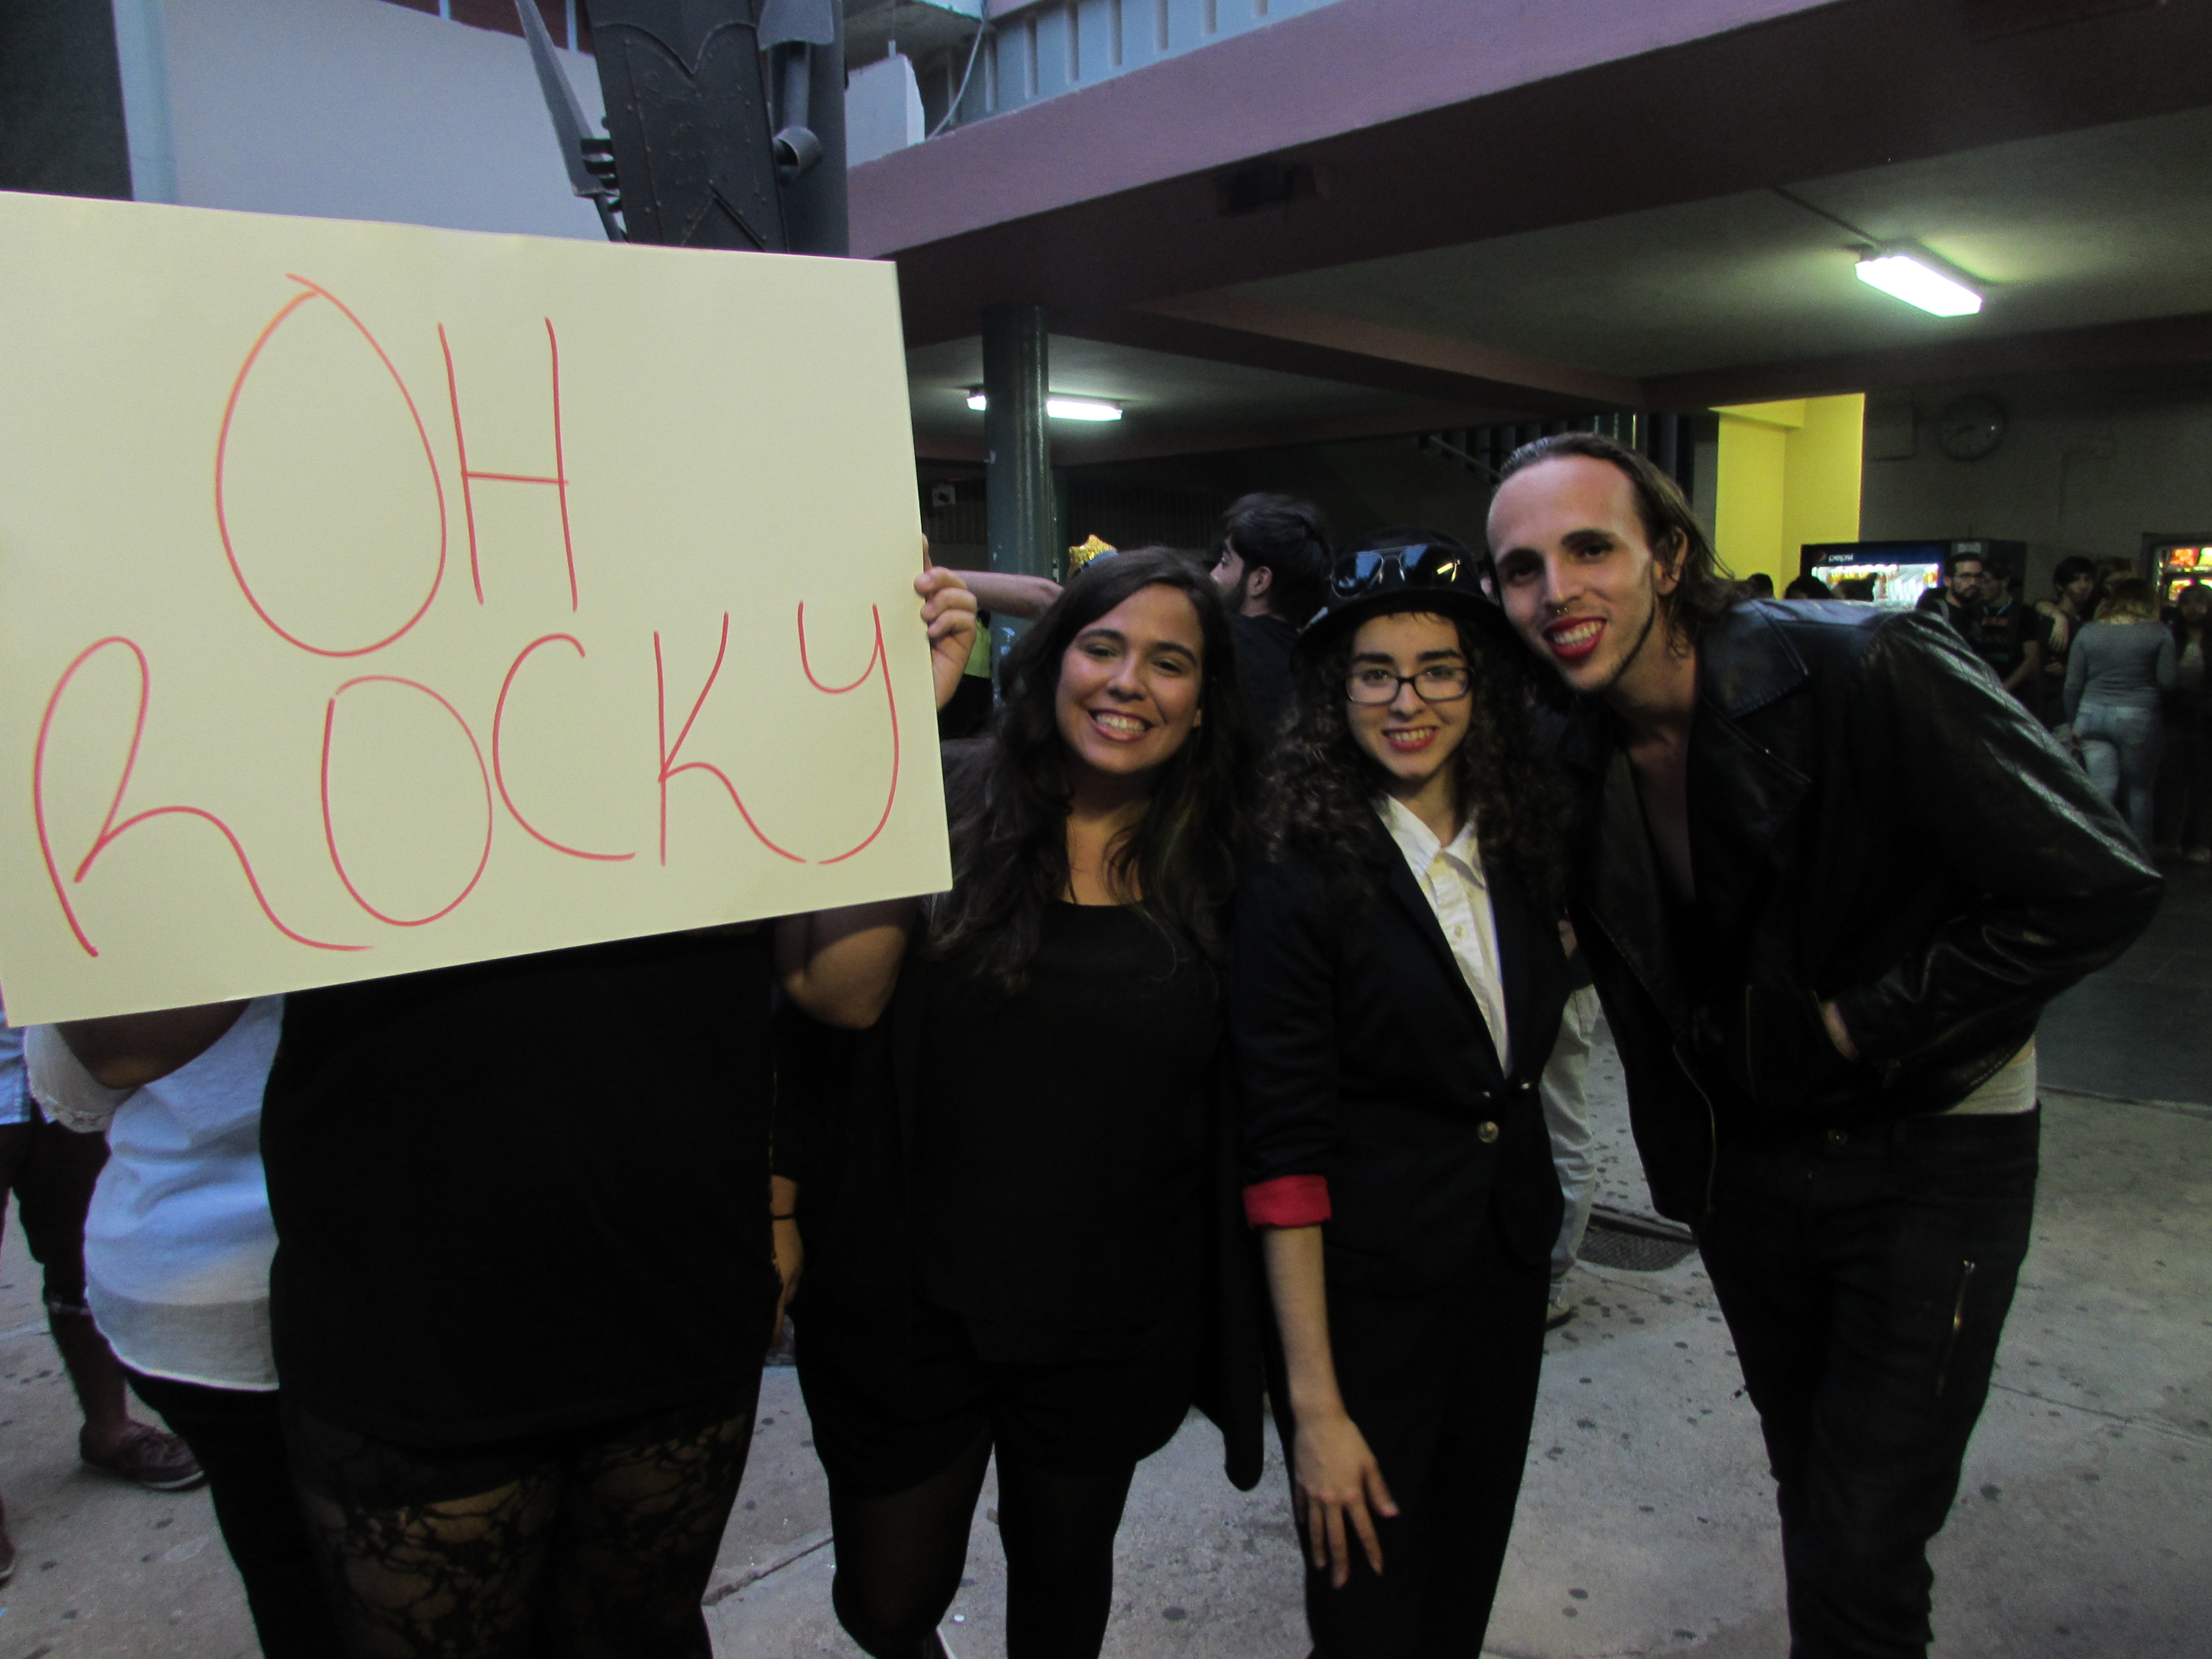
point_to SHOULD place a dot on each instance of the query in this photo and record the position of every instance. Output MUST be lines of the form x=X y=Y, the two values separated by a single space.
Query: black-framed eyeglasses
x=1419 y=565
x=1437 y=682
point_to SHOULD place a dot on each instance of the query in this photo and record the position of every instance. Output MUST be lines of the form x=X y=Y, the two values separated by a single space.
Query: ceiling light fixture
x=1061 y=408
x=1919 y=278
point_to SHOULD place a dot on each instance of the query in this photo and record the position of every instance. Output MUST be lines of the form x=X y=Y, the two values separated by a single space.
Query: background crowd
x=2120 y=683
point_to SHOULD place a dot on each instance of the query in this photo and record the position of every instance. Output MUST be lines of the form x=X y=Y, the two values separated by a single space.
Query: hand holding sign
x=378 y=598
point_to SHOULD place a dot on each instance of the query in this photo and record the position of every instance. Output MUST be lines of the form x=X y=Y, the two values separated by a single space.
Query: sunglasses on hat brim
x=1425 y=565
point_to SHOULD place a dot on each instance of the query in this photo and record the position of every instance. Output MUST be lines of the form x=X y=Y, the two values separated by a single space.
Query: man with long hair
x=1827 y=874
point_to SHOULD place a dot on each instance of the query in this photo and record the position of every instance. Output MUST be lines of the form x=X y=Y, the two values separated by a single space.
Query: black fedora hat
x=1426 y=571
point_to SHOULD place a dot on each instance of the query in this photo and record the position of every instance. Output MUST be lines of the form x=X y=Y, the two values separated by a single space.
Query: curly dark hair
x=1320 y=786
x=1009 y=792
x=1706 y=592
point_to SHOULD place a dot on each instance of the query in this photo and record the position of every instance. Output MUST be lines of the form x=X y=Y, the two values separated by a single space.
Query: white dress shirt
x=1451 y=876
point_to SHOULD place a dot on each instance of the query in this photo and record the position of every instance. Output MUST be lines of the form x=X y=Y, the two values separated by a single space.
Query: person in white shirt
x=177 y=1247
x=51 y=1173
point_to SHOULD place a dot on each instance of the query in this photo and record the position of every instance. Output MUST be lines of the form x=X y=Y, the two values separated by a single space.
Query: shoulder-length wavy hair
x=1320 y=786
x=1705 y=591
x=2128 y=600
x=1009 y=799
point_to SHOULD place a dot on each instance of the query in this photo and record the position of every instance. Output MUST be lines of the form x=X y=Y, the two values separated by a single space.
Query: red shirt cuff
x=1288 y=1201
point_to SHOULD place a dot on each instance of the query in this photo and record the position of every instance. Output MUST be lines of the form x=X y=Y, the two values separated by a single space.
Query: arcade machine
x=1902 y=571
x=2175 y=561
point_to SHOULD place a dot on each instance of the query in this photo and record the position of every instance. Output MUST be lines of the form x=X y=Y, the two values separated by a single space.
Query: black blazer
x=1364 y=1059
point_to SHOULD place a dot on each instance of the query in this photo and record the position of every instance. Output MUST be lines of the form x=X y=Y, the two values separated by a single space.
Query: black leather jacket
x=1873 y=821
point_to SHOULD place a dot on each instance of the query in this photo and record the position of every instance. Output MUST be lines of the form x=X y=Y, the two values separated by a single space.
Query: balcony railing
x=1035 y=49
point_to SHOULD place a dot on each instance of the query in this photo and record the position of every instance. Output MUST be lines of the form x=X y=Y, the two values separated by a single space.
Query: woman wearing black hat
x=1397 y=985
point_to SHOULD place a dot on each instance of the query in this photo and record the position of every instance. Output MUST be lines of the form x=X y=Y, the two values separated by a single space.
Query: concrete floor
x=1645 y=1525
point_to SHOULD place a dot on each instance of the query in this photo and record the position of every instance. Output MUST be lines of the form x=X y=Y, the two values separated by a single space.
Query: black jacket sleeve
x=2061 y=888
x=1283 y=1022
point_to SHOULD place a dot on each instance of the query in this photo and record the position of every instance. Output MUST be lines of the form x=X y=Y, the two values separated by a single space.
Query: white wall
x=2079 y=471
x=355 y=109
x=883 y=109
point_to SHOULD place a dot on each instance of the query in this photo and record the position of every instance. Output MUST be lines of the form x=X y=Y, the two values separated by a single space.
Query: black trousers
x=239 y=1438
x=1865 y=1276
x=1444 y=1387
x=52 y=1170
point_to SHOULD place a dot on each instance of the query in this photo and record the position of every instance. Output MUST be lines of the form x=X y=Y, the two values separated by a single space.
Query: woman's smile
x=1118 y=726
x=1411 y=739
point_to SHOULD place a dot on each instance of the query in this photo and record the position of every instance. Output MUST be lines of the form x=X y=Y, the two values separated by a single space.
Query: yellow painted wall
x=1788 y=475
x=1747 y=495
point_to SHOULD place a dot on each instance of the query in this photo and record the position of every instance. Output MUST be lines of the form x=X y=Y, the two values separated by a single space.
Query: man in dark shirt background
x=1959 y=600
x=1271 y=560
x=2010 y=636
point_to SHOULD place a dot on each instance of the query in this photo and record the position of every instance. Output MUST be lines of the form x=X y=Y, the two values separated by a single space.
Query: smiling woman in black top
x=1016 y=1227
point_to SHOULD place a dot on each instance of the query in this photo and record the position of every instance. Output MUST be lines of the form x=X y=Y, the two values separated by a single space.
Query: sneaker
x=156 y=1460
x=1560 y=1314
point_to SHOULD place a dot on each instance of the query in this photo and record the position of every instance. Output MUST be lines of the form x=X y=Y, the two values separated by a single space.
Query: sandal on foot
x=156 y=1460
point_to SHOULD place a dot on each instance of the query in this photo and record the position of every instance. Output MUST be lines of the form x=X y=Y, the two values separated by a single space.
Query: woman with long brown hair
x=1398 y=982
x=1020 y=1220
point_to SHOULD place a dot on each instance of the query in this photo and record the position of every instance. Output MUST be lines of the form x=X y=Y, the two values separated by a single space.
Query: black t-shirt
x=523 y=1195
x=1062 y=1138
x=2001 y=637
x=1964 y=621
x=1266 y=646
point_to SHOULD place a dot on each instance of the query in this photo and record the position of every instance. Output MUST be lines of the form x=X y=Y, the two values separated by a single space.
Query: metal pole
x=688 y=111
x=1018 y=467
x=814 y=204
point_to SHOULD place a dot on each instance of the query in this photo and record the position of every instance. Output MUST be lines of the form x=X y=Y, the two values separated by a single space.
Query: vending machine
x=1898 y=572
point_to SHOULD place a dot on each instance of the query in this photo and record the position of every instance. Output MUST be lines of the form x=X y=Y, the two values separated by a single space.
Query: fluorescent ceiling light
x=1063 y=408
x=1915 y=278
x=1081 y=409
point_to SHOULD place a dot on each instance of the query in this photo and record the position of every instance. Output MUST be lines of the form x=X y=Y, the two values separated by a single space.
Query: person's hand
x=790 y=1251
x=790 y=1262
x=1336 y=1479
x=948 y=611
x=1838 y=1033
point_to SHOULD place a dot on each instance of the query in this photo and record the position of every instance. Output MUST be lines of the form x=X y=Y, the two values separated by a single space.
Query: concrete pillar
x=1017 y=462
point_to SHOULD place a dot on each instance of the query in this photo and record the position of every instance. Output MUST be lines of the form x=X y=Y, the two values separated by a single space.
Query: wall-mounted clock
x=1971 y=428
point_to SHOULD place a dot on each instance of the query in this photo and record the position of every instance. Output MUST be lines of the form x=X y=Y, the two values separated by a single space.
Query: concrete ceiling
x=2108 y=225
x=2111 y=225
x=1613 y=222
